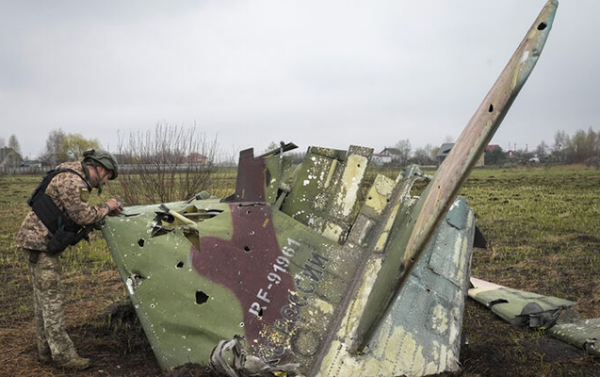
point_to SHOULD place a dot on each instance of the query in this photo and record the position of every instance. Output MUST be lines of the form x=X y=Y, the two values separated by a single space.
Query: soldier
x=61 y=216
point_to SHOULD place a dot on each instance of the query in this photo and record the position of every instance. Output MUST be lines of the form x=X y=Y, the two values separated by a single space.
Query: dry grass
x=541 y=225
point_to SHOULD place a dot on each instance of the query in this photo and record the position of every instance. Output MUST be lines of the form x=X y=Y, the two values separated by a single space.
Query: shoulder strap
x=41 y=188
x=45 y=208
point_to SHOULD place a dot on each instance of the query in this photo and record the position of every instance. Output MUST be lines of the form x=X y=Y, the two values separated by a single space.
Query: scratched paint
x=353 y=175
x=284 y=276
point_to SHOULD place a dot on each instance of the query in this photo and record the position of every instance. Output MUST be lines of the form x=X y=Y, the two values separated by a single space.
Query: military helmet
x=103 y=158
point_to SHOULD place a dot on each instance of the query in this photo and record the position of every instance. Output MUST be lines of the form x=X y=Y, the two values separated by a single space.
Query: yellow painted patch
x=265 y=223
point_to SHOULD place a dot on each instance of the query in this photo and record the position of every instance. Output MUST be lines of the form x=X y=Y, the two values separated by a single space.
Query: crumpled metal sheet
x=303 y=273
x=583 y=333
x=525 y=308
x=421 y=333
x=518 y=307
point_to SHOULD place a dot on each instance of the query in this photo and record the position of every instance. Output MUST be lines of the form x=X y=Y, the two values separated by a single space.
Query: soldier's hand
x=115 y=207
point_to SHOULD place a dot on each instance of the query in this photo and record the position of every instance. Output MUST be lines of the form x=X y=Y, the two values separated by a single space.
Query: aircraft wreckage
x=294 y=274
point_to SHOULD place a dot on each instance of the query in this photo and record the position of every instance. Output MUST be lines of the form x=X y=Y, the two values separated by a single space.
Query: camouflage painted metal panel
x=165 y=289
x=325 y=191
x=525 y=308
x=246 y=268
x=306 y=273
x=583 y=333
x=421 y=333
x=518 y=307
x=231 y=267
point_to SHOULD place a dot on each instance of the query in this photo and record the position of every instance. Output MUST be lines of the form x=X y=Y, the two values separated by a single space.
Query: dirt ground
x=108 y=332
x=105 y=329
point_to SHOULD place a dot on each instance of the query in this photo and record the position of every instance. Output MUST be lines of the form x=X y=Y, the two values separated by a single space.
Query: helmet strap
x=100 y=179
x=84 y=166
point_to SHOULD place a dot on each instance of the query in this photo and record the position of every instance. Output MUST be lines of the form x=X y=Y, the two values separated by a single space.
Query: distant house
x=9 y=158
x=394 y=154
x=195 y=158
x=492 y=147
x=31 y=164
x=442 y=153
x=381 y=159
x=447 y=147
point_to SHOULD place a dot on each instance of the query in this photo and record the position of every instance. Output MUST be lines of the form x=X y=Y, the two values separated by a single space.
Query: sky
x=326 y=73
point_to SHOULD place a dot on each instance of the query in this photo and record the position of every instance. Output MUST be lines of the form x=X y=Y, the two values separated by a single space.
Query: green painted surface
x=319 y=279
x=163 y=287
x=583 y=333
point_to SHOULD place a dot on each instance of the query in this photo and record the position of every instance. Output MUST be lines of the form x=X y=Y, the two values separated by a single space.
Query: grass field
x=541 y=225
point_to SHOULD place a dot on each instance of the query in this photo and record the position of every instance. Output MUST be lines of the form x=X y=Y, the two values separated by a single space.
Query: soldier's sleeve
x=73 y=195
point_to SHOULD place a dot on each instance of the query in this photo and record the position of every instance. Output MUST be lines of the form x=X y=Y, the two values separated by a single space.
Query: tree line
x=171 y=144
x=580 y=147
x=167 y=164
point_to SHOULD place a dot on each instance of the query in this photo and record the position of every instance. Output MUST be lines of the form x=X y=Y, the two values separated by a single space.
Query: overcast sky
x=327 y=73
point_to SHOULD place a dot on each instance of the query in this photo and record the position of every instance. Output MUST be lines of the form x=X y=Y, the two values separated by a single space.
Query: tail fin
x=435 y=202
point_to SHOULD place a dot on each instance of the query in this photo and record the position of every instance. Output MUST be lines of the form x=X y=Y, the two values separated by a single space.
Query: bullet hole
x=141 y=242
x=201 y=297
x=491 y=109
x=370 y=197
x=268 y=178
x=358 y=165
x=542 y=26
x=247 y=249
x=180 y=265
x=260 y=313
x=248 y=212
x=387 y=200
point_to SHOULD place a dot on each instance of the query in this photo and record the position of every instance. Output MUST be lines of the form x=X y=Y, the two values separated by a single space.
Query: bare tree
x=53 y=144
x=73 y=146
x=561 y=140
x=592 y=141
x=542 y=150
x=577 y=148
x=403 y=147
x=272 y=145
x=172 y=163
x=423 y=155
x=14 y=144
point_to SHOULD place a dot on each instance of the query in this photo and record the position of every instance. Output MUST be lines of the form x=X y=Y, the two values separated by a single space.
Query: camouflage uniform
x=71 y=194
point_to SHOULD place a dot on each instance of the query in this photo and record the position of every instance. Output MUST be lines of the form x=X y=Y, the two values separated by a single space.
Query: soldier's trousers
x=49 y=305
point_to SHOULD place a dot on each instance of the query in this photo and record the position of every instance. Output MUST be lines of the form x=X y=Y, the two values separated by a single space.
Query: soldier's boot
x=44 y=356
x=76 y=363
